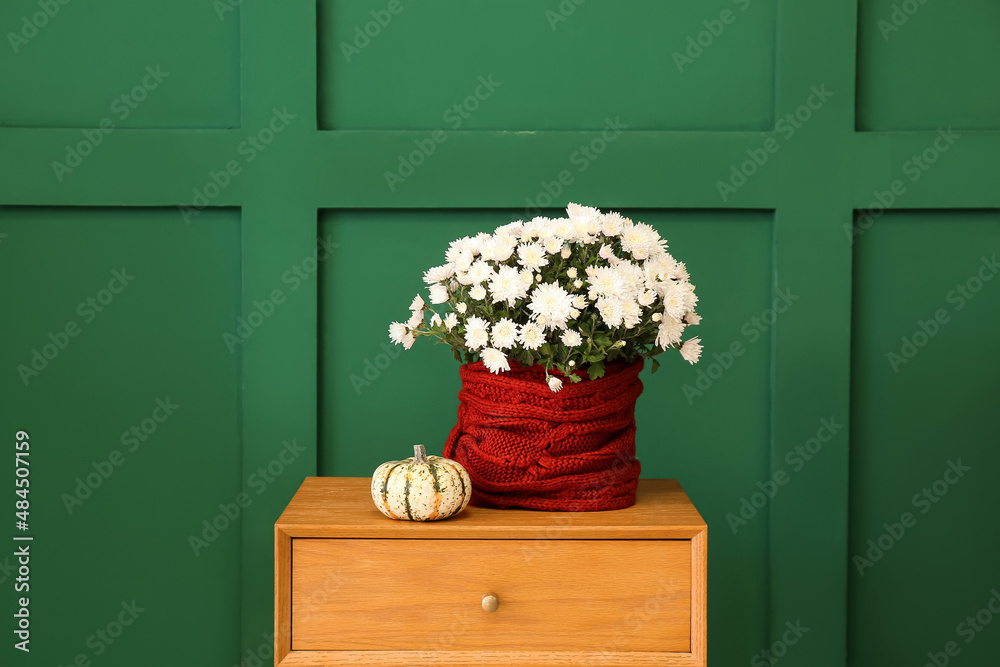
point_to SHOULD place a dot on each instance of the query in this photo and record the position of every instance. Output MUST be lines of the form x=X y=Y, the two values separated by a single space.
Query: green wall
x=235 y=135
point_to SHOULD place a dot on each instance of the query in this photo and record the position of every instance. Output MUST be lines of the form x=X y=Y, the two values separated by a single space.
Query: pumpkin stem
x=419 y=454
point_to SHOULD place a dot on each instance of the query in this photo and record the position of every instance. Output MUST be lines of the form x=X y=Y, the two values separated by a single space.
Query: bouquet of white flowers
x=570 y=294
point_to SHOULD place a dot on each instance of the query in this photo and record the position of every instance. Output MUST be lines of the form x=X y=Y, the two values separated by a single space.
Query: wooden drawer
x=599 y=588
x=427 y=595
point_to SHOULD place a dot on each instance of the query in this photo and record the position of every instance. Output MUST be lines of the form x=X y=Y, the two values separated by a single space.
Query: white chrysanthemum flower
x=480 y=239
x=457 y=248
x=477 y=273
x=436 y=320
x=532 y=337
x=512 y=228
x=631 y=313
x=551 y=301
x=439 y=274
x=659 y=268
x=642 y=241
x=563 y=228
x=579 y=301
x=532 y=256
x=417 y=304
x=586 y=220
x=674 y=301
x=461 y=307
x=538 y=227
x=476 y=335
x=605 y=252
x=681 y=272
x=553 y=244
x=486 y=246
x=571 y=338
x=499 y=247
x=612 y=223
x=450 y=320
x=571 y=273
x=396 y=332
x=690 y=298
x=691 y=350
x=439 y=293
x=632 y=274
x=646 y=297
x=656 y=317
x=408 y=340
x=577 y=284
x=565 y=252
x=504 y=334
x=669 y=332
x=608 y=282
x=555 y=384
x=527 y=277
x=416 y=319
x=506 y=286
x=478 y=292
x=594 y=224
x=495 y=360
x=463 y=262
x=611 y=311
x=575 y=211
x=692 y=318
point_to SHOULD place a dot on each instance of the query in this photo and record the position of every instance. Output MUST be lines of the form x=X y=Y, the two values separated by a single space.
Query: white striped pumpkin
x=421 y=488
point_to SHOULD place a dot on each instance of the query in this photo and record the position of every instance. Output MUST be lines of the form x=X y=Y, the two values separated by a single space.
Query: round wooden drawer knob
x=490 y=602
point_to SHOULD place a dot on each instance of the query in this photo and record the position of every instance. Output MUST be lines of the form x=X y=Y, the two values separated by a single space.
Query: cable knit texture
x=527 y=446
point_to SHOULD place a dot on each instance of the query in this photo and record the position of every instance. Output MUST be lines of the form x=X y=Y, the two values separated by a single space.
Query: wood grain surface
x=624 y=587
x=342 y=507
x=427 y=595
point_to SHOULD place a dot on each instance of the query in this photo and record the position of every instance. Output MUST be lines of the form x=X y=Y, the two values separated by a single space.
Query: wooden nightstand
x=625 y=587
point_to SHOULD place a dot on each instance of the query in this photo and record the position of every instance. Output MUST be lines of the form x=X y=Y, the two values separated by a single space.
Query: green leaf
x=574 y=378
x=656 y=365
x=546 y=350
x=603 y=340
x=596 y=370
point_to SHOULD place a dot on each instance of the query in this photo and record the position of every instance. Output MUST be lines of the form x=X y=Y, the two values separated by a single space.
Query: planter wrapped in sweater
x=553 y=319
x=526 y=446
